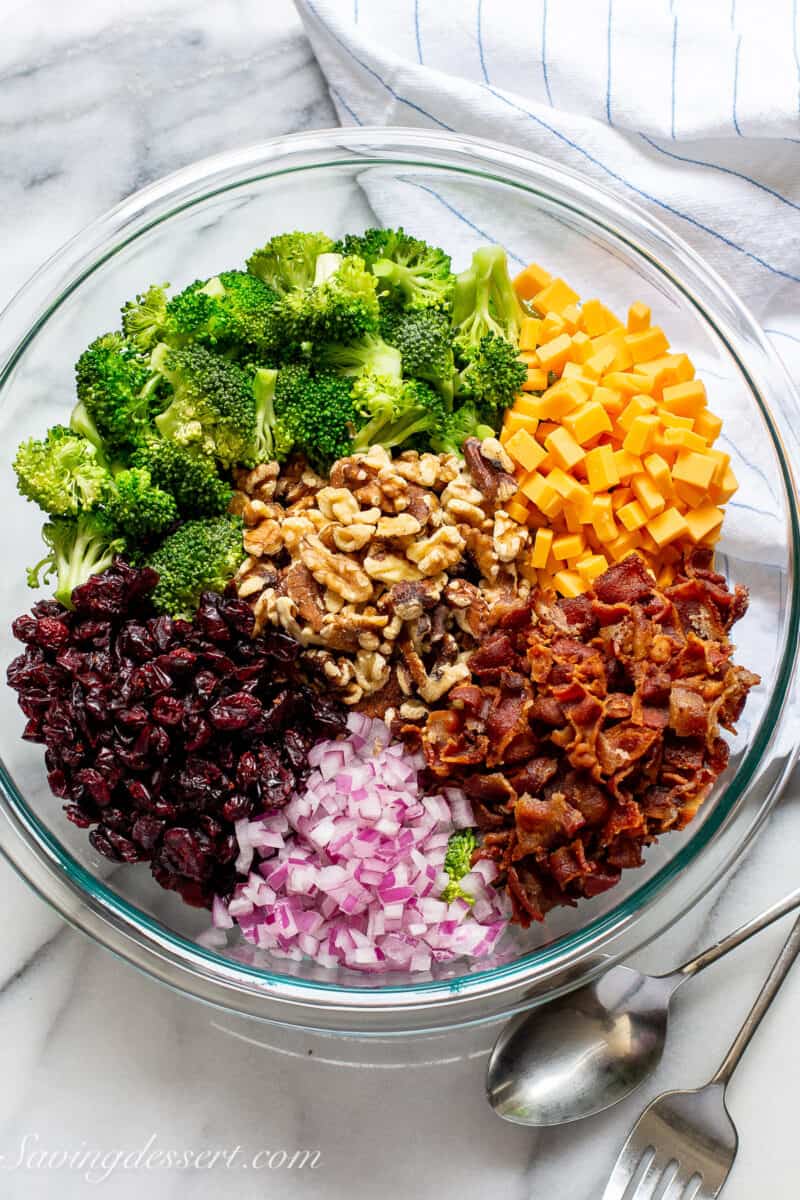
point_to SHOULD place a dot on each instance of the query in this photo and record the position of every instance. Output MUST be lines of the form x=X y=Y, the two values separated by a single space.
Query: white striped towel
x=689 y=109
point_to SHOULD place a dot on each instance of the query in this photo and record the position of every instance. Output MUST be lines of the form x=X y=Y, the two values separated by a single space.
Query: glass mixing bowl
x=458 y=192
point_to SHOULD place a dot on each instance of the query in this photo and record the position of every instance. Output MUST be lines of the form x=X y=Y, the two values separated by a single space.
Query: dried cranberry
x=235 y=712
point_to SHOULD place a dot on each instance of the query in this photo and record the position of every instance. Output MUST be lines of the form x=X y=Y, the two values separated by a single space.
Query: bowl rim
x=91 y=906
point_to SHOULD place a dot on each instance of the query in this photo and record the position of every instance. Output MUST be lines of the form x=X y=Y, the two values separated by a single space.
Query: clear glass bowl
x=458 y=192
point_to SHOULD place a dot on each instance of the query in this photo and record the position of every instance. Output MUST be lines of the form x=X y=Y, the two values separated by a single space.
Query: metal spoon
x=586 y=1050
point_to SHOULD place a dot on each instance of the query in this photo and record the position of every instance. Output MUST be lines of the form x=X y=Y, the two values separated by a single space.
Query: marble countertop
x=101 y=1065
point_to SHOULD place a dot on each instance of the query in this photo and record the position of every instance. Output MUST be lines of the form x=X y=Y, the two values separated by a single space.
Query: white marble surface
x=96 y=99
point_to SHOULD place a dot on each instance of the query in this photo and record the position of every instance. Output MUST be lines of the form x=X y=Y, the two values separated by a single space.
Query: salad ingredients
x=352 y=870
x=200 y=556
x=161 y=734
x=612 y=439
x=590 y=725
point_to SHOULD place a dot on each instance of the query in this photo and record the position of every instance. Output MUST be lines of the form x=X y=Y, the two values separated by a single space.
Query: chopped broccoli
x=424 y=341
x=212 y=411
x=458 y=863
x=342 y=308
x=200 y=556
x=273 y=437
x=118 y=391
x=139 y=509
x=467 y=421
x=64 y=474
x=409 y=270
x=494 y=374
x=193 y=481
x=76 y=549
x=395 y=410
x=144 y=319
x=288 y=261
x=484 y=301
x=370 y=353
x=370 y=245
x=316 y=411
x=81 y=423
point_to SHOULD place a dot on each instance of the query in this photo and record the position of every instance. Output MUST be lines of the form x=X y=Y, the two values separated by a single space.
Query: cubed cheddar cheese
x=673 y=421
x=571 y=518
x=641 y=434
x=708 y=425
x=518 y=420
x=590 y=567
x=722 y=461
x=623 y=544
x=659 y=471
x=627 y=464
x=694 y=468
x=603 y=519
x=569 y=545
x=525 y=450
x=553 y=354
x=551 y=327
x=569 y=583
x=535 y=488
x=612 y=400
x=632 y=515
x=555 y=296
x=529 y=333
x=630 y=383
x=582 y=347
x=535 y=380
x=541 y=548
x=684 y=439
x=614 y=340
x=531 y=280
x=595 y=318
x=689 y=495
x=647 y=344
x=667 y=370
x=638 y=317
x=587 y=421
x=518 y=510
x=721 y=493
x=571 y=316
x=565 y=450
x=638 y=406
x=600 y=360
x=686 y=399
x=703 y=520
x=648 y=495
x=558 y=400
x=526 y=405
x=601 y=469
x=667 y=526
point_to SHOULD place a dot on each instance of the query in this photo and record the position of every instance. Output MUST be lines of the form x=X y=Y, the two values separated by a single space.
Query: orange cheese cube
x=665 y=576
x=564 y=484
x=535 y=488
x=603 y=519
x=541 y=547
x=627 y=464
x=589 y=568
x=553 y=354
x=531 y=280
x=518 y=510
x=639 y=437
x=571 y=519
x=659 y=471
x=630 y=383
x=639 y=406
x=587 y=422
x=638 y=317
x=581 y=346
x=610 y=399
x=708 y=425
x=574 y=372
x=526 y=405
x=525 y=450
x=563 y=447
x=555 y=296
x=703 y=520
x=601 y=470
x=614 y=340
x=684 y=439
x=647 y=344
x=569 y=545
x=535 y=380
x=667 y=370
x=622 y=545
x=721 y=493
x=551 y=326
x=595 y=318
x=632 y=515
x=647 y=494
x=529 y=357
x=571 y=316
x=673 y=421
x=667 y=526
x=693 y=468
x=515 y=421
x=689 y=495
x=621 y=495
x=558 y=400
x=600 y=360
x=686 y=399
x=529 y=333
x=569 y=583
x=722 y=461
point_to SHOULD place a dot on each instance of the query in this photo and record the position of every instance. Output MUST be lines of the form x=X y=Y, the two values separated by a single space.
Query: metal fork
x=684 y=1144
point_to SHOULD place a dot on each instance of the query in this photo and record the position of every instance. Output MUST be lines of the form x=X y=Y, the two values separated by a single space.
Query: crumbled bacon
x=591 y=725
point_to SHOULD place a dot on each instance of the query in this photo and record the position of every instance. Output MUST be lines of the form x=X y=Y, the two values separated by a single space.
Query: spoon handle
x=765 y=997
x=703 y=960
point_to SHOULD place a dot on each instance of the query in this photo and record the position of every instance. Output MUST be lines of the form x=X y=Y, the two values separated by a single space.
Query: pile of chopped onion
x=350 y=872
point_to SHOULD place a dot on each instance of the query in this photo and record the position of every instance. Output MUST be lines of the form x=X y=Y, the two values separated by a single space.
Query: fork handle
x=709 y=956
x=765 y=997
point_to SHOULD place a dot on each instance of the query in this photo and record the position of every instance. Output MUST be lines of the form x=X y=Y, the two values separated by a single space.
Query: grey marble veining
x=96 y=100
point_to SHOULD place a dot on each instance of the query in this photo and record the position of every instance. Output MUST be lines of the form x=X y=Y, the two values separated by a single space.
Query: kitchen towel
x=689 y=109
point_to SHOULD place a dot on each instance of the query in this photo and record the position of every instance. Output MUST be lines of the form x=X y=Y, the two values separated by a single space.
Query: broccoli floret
x=424 y=341
x=118 y=391
x=316 y=411
x=144 y=319
x=417 y=277
x=64 y=474
x=467 y=421
x=274 y=439
x=289 y=260
x=76 y=549
x=395 y=410
x=457 y=863
x=370 y=245
x=494 y=374
x=200 y=556
x=193 y=481
x=139 y=509
x=370 y=353
x=232 y=311
x=212 y=411
x=340 y=308
x=81 y=423
x=484 y=301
